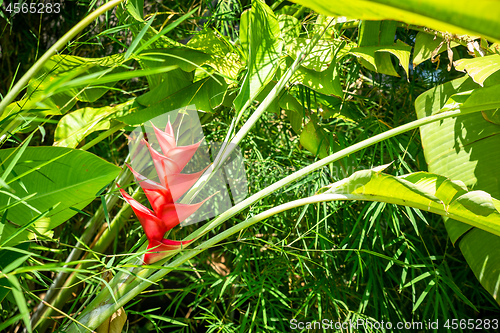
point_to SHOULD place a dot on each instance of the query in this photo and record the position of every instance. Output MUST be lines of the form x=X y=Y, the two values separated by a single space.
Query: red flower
x=166 y=213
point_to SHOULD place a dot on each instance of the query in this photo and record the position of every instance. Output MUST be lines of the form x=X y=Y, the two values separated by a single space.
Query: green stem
x=227 y=148
x=103 y=135
x=57 y=294
x=96 y=311
x=68 y=287
x=61 y=43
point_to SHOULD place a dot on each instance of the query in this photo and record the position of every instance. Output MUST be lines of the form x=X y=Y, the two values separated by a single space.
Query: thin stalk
x=103 y=305
x=61 y=43
x=227 y=148
x=61 y=279
x=103 y=135
x=100 y=246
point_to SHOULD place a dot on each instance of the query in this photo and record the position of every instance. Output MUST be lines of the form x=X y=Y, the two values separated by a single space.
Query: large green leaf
x=466 y=149
x=480 y=68
x=55 y=72
x=422 y=190
x=222 y=55
x=320 y=57
x=427 y=44
x=376 y=43
x=205 y=94
x=377 y=58
x=59 y=176
x=185 y=59
x=75 y=126
x=315 y=139
x=260 y=32
x=455 y=16
x=326 y=82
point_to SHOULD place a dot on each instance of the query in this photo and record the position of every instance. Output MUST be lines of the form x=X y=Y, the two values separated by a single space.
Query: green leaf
x=204 y=94
x=264 y=45
x=18 y=293
x=326 y=82
x=289 y=27
x=466 y=149
x=425 y=191
x=315 y=139
x=458 y=17
x=168 y=28
x=320 y=57
x=133 y=17
x=374 y=33
x=75 y=126
x=479 y=69
x=18 y=153
x=376 y=58
x=138 y=38
x=223 y=56
x=426 y=44
x=481 y=249
x=71 y=180
x=294 y=111
x=42 y=97
x=14 y=259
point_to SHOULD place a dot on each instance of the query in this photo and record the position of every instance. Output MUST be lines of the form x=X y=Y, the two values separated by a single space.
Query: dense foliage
x=307 y=94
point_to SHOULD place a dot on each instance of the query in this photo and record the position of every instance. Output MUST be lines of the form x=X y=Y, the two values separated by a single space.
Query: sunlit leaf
x=459 y=17
x=426 y=44
x=263 y=33
x=71 y=180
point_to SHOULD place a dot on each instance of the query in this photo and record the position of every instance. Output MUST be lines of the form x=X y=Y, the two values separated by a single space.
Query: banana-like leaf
x=59 y=176
x=376 y=57
x=454 y=16
x=205 y=94
x=425 y=191
x=56 y=71
x=75 y=126
x=326 y=82
x=259 y=32
x=480 y=68
x=466 y=148
x=376 y=43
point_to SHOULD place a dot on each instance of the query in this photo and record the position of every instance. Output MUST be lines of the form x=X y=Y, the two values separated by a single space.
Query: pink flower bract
x=166 y=214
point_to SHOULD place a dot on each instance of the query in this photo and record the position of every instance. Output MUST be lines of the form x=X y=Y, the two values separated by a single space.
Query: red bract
x=166 y=213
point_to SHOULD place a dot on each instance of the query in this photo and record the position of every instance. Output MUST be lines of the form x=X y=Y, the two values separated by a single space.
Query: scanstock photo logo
x=185 y=178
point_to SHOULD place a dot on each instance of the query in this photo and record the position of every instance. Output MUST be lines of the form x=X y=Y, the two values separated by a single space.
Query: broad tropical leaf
x=259 y=31
x=59 y=176
x=481 y=18
x=466 y=149
x=75 y=126
x=205 y=94
x=425 y=191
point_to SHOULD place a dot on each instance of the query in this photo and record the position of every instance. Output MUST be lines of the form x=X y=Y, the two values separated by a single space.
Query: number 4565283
x=34 y=8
